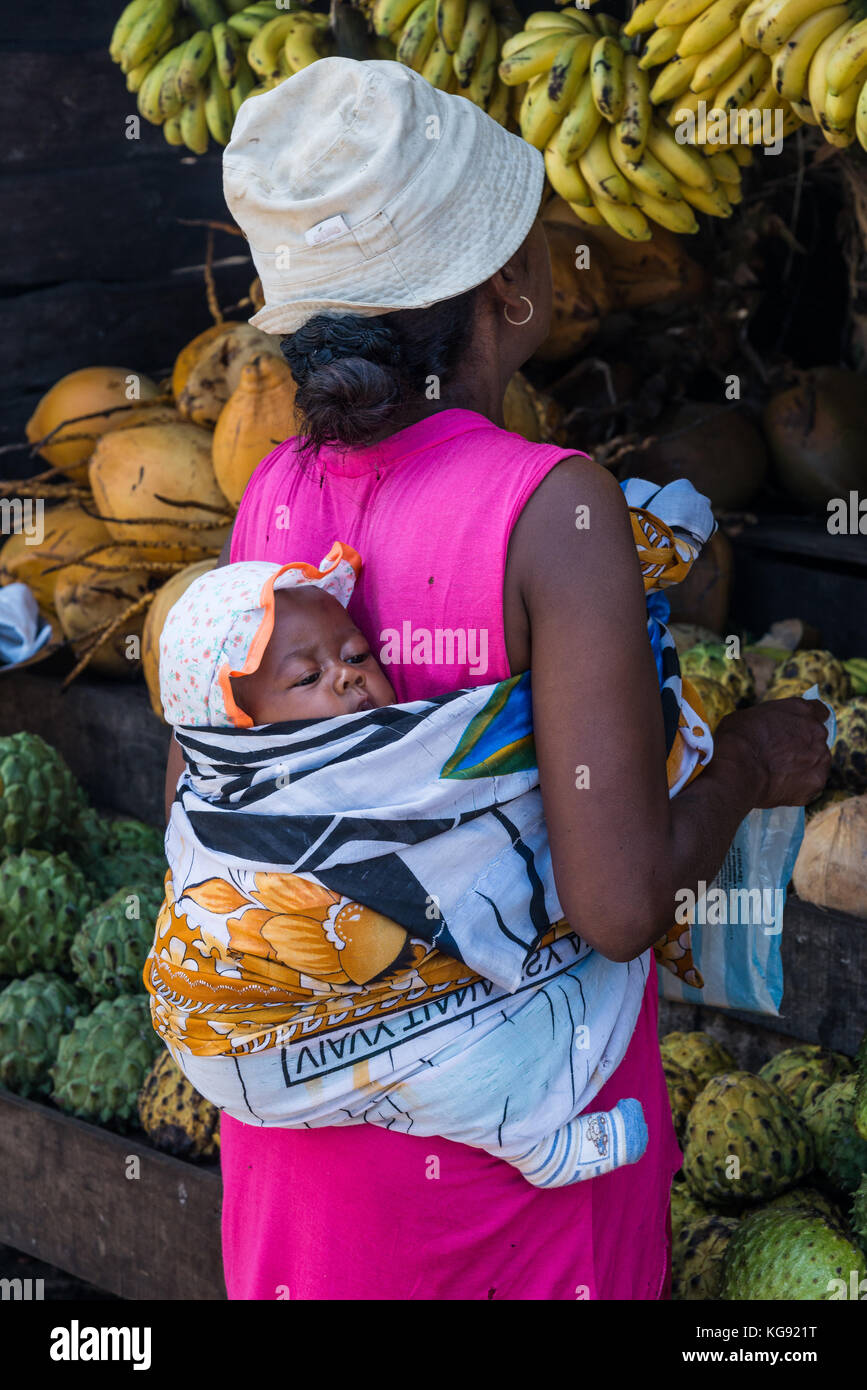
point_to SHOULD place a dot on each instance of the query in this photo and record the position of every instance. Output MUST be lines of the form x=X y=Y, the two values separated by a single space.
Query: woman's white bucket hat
x=361 y=189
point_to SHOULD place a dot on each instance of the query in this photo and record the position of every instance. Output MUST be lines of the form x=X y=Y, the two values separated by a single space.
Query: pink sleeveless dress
x=359 y=1212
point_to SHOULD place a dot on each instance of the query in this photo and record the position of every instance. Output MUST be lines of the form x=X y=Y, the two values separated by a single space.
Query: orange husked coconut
x=68 y=532
x=89 y=390
x=259 y=415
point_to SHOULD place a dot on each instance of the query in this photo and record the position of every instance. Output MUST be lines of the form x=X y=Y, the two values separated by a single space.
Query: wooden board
x=65 y=1197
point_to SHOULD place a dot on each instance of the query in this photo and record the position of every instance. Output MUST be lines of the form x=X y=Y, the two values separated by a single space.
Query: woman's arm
x=175 y=763
x=621 y=848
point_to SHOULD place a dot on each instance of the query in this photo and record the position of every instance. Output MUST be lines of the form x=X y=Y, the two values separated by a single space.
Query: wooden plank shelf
x=72 y=1196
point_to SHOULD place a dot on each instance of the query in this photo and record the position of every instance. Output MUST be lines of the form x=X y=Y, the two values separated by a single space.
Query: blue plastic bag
x=737 y=923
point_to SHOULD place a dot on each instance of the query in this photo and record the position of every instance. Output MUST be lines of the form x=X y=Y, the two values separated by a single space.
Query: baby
x=284 y=990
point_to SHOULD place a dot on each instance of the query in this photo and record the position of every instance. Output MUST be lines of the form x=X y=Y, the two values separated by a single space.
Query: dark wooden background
x=96 y=267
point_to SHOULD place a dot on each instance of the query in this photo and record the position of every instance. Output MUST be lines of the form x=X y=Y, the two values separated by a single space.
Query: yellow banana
x=196 y=59
x=734 y=193
x=194 y=127
x=720 y=62
x=861 y=118
x=566 y=179
x=219 y=115
x=686 y=164
x=533 y=60
x=263 y=53
x=628 y=222
x=567 y=71
x=687 y=105
x=417 y=36
x=743 y=83
x=172 y=130
x=247 y=23
x=484 y=75
x=711 y=27
x=781 y=19
x=680 y=11
x=148 y=100
x=555 y=19
x=579 y=125
x=389 y=16
x=500 y=103
x=146 y=33
x=299 y=48
x=750 y=20
x=438 y=63
x=643 y=17
x=630 y=132
x=515 y=42
x=662 y=45
x=476 y=25
x=128 y=17
x=645 y=173
x=848 y=60
x=817 y=87
x=601 y=173
x=743 y=156
x=606 y=24
x=792 y=62
x=607 y=77
x=244 y=84
x=537 y=118
x=840 y=107
x=227 y=53
x=168 y=97
x=450 y=16
x=676 y=216
x=724 y=167
x=588 y=215
x=136 y=76
x=716 y=203
x=674 y=79
x=804 y=110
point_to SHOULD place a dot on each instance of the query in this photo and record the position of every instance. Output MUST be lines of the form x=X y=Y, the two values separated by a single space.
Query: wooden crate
x=66 y=1199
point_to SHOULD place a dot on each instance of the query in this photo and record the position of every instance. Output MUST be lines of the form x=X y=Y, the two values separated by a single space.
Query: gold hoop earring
x=518 y=322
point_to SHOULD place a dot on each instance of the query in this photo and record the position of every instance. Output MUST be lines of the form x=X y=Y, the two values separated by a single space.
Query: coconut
x=216 y=371
x=94 y=593
x=581 y=297
x=831 y=868
x=718 y=449
x=68 y=532
x=815 y=432
x=703 y=597
x=89 y=391
x=256 y=418
x=529 y=412
x=156 y=485
x=165 y=597
x=189 y=355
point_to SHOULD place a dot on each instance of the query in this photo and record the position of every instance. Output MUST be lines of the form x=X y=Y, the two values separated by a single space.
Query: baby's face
x=316 y=664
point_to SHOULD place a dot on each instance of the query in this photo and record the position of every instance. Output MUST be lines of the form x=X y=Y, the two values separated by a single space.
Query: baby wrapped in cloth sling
x=361 y=923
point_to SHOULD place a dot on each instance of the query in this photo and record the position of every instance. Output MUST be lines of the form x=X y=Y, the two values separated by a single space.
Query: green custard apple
x=102 y=1063
x=802 y=1073
x=699 y=1053
x=109 y=949
x=841 y=1153
x=34 y=1015
x=793 y=1254
x=39 y=797
x=43 y=899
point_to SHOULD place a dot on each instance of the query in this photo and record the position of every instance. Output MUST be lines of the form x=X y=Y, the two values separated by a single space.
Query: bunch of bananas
x=192 y=64
x=710 y=69
x=607 y=152
x=454 y=44
x=818 y=57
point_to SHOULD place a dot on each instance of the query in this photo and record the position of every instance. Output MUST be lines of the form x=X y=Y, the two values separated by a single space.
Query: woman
x=405 y=268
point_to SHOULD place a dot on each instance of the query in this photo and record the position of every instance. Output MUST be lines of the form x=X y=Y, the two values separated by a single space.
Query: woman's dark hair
x=358 y=375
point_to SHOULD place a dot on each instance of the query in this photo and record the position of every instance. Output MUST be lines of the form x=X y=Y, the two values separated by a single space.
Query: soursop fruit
x=697 y=1052
x=43 y=899
x=716 y=701
x=34 y=1015
x=686 y=1210
x=841 y=1153
x=112 y=852
x=744 y=1142
x=849 y=753
x=711 y=660
x=683 y=1087
x=697 y=1261
x=858 y=1216
x=812 y=667
x=802 y=1073
x=39 y=796
x=109 y=950
x=793 y=1254
x=174 y=1116
x=813 y=1200
x=102 y=1063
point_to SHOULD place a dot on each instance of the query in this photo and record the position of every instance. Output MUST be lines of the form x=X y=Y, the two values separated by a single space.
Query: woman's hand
x=784 y=744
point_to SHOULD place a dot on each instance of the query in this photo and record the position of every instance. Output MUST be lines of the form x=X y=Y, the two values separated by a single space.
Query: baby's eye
x=308 y=679
x=358 y=657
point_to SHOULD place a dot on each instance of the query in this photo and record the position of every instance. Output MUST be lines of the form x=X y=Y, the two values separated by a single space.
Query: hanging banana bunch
x=712 y=74
x=192 y=64
x=587 y=105
x=454 y=44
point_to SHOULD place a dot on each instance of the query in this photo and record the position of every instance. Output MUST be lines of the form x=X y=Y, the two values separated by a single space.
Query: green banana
x=194 y=127
x=123 y=28
x=169 y=98
x=244 y=85
x=197 y=58
x=206 y=13
x=476 y=25
x=146 y=33
x=136 y=76
x=148 y=102
x=219 y=115
x=172 y=130
x=248 y=22
x=227 y=52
